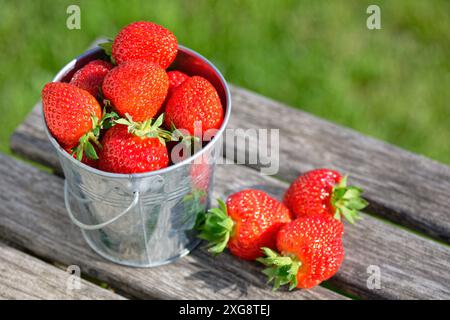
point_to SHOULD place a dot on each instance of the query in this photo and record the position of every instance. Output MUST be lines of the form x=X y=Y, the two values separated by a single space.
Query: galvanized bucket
x=145 y=219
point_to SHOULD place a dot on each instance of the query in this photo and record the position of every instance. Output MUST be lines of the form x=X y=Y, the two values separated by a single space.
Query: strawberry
x=145 y=41
x=71 y=115
x=131 y=147
x=195 y=100
x=175 y=79
x=311 y=251
x=90 y=77
x=249 y=220
x=137 y=88
x=324 y=191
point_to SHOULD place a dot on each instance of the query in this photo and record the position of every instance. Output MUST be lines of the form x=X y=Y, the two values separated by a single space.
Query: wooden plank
x=33 y=216
x=411 y=267
x=403 y=187
x=406 y=188
x=26 y=277
x=38 y=148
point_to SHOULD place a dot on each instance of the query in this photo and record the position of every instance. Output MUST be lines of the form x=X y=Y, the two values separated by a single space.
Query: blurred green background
x=318 y=56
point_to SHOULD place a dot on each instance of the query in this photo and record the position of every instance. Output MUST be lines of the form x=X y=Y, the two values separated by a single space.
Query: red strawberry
x=249 y=220
x=145 y=41
x=131 y=147
x=324 y=191
x=69 y=112
x=195 y=100
x=175 y=79
x=90 y=77
x=311 y=252
x=137 y=88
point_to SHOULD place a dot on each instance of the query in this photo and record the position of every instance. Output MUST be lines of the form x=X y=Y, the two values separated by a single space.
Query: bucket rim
x=61 y=152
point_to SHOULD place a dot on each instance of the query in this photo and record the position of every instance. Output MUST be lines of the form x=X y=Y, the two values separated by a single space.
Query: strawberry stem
x=85 y=145
x=148 y=128
x=216 y=227
x=347 y=201
x=178 y=135
x=107 y=48
x=280 y=269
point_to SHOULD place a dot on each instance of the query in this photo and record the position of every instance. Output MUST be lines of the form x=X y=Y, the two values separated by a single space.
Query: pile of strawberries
x=117 y=115
x=299 y=240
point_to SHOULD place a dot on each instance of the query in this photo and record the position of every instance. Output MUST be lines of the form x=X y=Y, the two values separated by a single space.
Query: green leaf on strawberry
x=107 y=48
x=347 y=201
x=90 y=151
x=280 y=269
x=216 y=227
x=148 y=128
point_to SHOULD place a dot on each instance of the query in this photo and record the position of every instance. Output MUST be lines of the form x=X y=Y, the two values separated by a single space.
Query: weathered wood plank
x=411 y=267
x=33 y=216
x=404 y=187
x=26 y=277
x=38 y=148
x=401 y=186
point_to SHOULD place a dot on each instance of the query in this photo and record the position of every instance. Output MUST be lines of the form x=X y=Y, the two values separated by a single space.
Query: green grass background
x=318 y=56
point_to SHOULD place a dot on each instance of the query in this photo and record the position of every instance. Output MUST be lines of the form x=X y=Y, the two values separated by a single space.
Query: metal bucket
x=144 y=219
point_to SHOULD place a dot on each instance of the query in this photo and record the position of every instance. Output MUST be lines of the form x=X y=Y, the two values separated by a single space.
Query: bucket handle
x=100 y=225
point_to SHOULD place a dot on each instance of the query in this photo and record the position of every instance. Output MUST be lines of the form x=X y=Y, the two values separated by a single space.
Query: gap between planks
x=26 y=277
x=411 y=267
x=402 y=187
x=34 y=217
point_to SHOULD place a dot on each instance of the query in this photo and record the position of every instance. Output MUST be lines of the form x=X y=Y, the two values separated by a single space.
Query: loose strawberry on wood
x=137 y=88
x=324 y=191
x=310 y=251
x=249 y=220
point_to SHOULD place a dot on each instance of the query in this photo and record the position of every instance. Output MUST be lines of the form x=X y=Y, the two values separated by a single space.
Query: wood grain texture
x=409 y=189
x=411 y=267
x=403 y=187
x=26 y=277
x=34 y=217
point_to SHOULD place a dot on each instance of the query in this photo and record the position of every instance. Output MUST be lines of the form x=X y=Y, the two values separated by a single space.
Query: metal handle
x=100 y=225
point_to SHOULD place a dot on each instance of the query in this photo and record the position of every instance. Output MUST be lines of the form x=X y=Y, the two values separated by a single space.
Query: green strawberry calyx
x=216 y=227
x=87 y=141
x=179 y=135
x=280 y=269
x=347 y=201
x=195 y=207
x=147 y=129
x=107 y=48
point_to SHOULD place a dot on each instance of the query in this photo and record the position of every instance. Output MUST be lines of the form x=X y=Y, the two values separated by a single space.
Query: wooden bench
x=405 y=233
